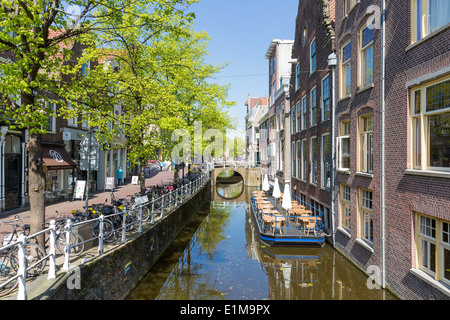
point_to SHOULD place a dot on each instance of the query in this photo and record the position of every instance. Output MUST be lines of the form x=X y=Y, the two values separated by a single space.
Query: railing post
x=162 y=206
x=170 y=201
x=68 y=227
x=153 y=210
x=124 y=223
x=140 y=219
x=101 y=236
x=176 y=197
x=52 y=251
x=22 y=272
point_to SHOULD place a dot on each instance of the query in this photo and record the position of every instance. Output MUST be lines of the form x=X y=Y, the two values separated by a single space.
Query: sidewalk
x=97 y=197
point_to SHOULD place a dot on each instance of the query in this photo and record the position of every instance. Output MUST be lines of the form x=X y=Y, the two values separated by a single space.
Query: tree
x=38 y=35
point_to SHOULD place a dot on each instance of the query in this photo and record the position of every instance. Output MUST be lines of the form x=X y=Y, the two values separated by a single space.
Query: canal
x=219 y=256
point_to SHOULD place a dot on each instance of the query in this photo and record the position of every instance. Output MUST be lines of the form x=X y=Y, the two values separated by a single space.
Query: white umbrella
x=287 y=205
x=276 y=190
x=266 y=185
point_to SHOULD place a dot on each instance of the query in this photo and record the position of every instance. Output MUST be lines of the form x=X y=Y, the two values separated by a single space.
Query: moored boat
x=301 y=225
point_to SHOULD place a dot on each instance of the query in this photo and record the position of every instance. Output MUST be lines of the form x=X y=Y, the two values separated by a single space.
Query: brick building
x=311 y=99
x=392 y=187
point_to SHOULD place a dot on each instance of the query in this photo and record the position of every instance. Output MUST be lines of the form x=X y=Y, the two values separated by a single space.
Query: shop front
x=58 y=167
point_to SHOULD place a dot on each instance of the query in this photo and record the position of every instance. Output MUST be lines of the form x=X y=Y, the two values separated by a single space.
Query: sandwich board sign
x=79 y=189
x=135 y=180
x=109 y=183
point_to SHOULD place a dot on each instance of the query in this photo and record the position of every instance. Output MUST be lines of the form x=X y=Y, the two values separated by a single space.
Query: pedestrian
x=119 y=176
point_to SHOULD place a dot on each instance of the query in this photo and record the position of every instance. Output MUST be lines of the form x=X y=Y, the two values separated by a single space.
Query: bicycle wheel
x=146 y=213
x=7 y=271
x=34 y=259
x=109 y=234
x=75 y=247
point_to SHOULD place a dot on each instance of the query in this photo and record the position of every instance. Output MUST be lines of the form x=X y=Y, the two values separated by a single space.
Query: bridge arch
x=251 y=176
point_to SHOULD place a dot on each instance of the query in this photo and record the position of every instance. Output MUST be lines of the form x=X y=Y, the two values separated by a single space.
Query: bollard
x=22 y=272
x=52 y=251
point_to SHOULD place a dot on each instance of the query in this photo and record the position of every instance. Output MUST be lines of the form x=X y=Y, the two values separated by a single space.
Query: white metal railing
x=161 y=206
x=231 y=163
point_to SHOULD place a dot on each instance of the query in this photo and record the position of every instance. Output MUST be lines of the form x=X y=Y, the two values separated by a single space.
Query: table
x=275 y=221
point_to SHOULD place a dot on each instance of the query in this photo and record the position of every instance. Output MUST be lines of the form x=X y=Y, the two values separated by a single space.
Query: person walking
x=119 y=174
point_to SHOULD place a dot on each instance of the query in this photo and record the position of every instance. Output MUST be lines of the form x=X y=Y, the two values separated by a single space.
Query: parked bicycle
x=76 y=240
x=131 y=205
x=109 y=234
x=8 y=269
x=34 y=253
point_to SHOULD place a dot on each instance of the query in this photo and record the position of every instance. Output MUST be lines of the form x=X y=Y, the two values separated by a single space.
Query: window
x=72 y=121
x=367 y=55
x=314 y=160
x=299 y=116
x=345 y=206
x=431 y=126
x=366 y=145
x=304 y=159
x=293 y=121
x=313 y=107
x=346 y=69
x=326 y=161
x=299 y=158
x=433 y=247
x=343 y=147
x=85 y=68
x=297 y=77
x=366 y=214
x=349 y=4
x=312 y=52
x=51 y=126
x=326 y=101
x=428 y=16
x=305 y=108
x=293 y=162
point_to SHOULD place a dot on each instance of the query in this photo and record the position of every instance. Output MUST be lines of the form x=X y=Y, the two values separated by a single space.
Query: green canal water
x=219 y=256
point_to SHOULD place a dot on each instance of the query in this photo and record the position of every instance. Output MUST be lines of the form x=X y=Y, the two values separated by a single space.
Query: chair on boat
x=310 y=224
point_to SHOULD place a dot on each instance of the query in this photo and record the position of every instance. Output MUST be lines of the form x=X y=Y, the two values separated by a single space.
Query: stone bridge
x=251 y=176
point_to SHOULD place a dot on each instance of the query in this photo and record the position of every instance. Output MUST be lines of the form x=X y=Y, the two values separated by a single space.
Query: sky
x=241 y=32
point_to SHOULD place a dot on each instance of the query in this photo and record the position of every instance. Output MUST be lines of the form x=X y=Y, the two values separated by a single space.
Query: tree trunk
x=176 y=174
x=36 y=185
x=142 y=176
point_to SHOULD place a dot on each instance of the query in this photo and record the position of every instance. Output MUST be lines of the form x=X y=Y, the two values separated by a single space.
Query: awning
x=57 y=158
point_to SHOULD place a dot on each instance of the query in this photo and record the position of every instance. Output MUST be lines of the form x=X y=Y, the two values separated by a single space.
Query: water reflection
x=219 y=256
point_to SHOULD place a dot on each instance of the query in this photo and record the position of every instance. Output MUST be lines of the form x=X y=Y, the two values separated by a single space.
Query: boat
x=299 y=226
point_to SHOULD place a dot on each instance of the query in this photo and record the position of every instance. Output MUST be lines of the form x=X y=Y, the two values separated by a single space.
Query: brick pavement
x=98 y=197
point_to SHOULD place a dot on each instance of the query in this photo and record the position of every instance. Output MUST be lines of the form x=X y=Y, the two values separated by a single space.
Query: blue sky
x=241 y=32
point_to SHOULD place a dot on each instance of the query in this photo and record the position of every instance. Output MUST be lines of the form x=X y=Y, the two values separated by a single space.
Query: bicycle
x=76 y=240
x=34 y=253
x=109 y=234
x=131 y=205
x=8 y=269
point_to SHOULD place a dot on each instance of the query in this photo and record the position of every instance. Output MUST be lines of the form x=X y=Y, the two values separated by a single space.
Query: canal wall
x=114 y=274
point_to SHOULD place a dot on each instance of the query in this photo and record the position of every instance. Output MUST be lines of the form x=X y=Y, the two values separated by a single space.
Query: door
x=13 y=177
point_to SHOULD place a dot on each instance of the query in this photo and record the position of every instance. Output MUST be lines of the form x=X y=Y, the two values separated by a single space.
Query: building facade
x=311 y=105
x=279 y=54
x=392 y=116
x=256 y=109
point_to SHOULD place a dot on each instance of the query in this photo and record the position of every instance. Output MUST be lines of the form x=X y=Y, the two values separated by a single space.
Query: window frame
x=304 y=160
x=364 y=213
x=297 y=76
x=421 y=26
x=313 y=111
x=345 y=207
x=365 y=136
x=420 y=127
x=304 y=112
x=362 y=50
x=343 y=135
x=344 y=65
x=326 y=184
x=313 y=160
x=322 y=95
x=312 y=57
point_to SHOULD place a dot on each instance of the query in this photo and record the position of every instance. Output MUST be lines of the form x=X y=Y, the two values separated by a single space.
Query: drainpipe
x=383 y=177
x=3 y=131
x=332 y=62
